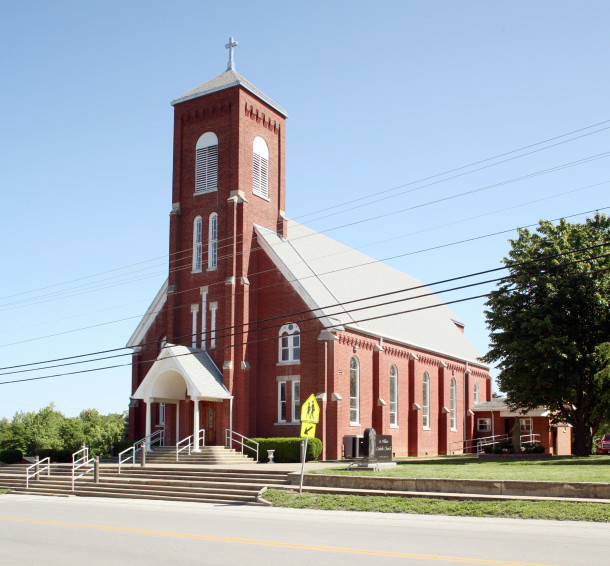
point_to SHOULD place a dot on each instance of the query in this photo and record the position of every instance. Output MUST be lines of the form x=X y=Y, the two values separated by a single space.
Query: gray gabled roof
x=499 y=404
x=228 y=79
x=202 y=378
x=329 y=276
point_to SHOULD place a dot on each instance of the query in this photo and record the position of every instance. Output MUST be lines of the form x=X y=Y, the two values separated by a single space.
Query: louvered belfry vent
x=260 y=168
x=206 y=169
x=206 y=163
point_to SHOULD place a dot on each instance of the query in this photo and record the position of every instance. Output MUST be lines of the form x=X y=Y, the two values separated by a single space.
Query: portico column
x=148 y=425
x=177 y=422
x=196 y=425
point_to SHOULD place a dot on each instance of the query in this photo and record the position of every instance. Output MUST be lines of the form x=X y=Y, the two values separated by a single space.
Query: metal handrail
x=189 y=439
x=37 y=470
x=229 y=440
x=80 y=462
x=157 y=436
x=477 y=443
x=529 y=439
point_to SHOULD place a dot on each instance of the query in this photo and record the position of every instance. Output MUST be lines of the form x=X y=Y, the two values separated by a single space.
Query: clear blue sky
x=379 y=95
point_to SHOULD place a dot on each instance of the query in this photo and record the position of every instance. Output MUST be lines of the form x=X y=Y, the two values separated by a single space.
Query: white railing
x=231 y=436
x=80 y=462
x=530 y=439
x=189 y=443
x=476 y=444
x=37 y=468
x=130 y=453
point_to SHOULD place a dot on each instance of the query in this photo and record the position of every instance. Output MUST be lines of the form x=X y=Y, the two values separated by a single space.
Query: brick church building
x=259 y=312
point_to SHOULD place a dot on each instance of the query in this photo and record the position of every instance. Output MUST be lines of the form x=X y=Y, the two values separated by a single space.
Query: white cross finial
x=232 y=43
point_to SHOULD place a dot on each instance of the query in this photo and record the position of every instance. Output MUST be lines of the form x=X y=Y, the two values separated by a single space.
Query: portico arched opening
x=183 y=377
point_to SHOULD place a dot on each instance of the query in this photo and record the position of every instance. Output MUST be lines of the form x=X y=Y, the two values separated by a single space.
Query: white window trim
x=453 y=406
x=194 y=311
x=292 y=333
x=197 y=244
x=426 y=401
x=213 y=310
x=204 y=307
x=281 y=384
x=161 y=415
x=483 y=420
x=394 y=377
x=213 y=242
x=295 y=413
x=475 y=394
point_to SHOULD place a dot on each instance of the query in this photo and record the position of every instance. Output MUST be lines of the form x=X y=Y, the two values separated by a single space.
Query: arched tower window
x=452 y=408
x=213 y=241
x=426 y=401
x=393 y=396
x=476 y=393
x=354 y=391
x=197 y=243
x=289 y=346
x=260 y=168
x=206 y=163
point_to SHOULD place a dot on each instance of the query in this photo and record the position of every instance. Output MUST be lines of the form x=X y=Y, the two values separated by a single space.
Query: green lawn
x=553 y=510
x=560 y=468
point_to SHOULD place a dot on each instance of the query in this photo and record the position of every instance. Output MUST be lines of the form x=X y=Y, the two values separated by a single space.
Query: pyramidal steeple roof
x=228 y=79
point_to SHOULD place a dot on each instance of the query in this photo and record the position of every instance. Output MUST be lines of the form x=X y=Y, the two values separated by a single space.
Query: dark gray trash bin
x=351 y=446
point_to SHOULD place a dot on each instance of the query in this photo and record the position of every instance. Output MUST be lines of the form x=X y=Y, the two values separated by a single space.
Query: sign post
x=310 y=416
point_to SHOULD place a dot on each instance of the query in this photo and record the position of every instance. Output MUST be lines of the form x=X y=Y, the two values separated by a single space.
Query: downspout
x=465 y=407
x=231 y=421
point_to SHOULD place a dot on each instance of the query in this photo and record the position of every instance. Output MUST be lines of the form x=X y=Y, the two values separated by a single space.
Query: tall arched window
x=426 y=401
x=260 y=168
x=354 y=391
x=453 y=423
x=289 y=346
x=197 y=243
x=206 y=163
x=213 y=241
x=393 y=396
x=476 y=393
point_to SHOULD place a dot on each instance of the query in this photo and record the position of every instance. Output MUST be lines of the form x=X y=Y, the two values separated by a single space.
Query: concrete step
x=182 y=483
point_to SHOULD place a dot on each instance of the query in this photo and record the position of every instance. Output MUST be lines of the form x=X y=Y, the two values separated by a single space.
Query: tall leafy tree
x=550 y=324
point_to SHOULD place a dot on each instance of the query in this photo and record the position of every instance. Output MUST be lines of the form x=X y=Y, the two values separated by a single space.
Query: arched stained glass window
x=197 y=243
x=354 y=391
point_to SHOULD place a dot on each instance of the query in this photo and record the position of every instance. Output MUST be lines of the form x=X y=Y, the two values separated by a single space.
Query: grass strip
x=553 y=510
x=558 y=468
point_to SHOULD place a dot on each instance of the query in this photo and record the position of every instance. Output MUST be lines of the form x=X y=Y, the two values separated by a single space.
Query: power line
x=372 y=262
x=342 y=305
x=368 y=219
x=367 y=197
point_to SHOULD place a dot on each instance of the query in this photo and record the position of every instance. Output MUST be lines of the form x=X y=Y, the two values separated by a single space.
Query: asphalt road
x=64 y=531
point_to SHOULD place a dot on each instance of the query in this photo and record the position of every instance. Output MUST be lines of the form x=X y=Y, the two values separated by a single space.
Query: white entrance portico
x=181 y=374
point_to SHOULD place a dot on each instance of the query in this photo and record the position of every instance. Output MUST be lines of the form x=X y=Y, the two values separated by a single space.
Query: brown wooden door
x=208 y=422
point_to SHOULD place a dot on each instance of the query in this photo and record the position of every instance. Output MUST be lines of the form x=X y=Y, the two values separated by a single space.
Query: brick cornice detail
x=395 y=352
x=206 y=113
x=361 y=343
x=261 y=118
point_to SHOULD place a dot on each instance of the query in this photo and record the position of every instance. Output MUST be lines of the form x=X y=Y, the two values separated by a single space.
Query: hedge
x=11 y=456
x=286 y=449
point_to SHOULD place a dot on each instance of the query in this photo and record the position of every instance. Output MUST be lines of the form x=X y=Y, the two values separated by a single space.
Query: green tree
x=550 y=324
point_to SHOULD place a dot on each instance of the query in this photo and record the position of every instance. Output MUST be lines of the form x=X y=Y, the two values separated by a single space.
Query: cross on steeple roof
x=231 y=64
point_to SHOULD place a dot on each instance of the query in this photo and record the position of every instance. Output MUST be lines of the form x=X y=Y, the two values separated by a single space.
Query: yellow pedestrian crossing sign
x=308 y=429
x=310 y=411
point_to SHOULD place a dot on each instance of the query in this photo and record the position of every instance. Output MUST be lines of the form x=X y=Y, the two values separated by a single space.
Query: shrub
x=11 y=456
x=287 y=449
